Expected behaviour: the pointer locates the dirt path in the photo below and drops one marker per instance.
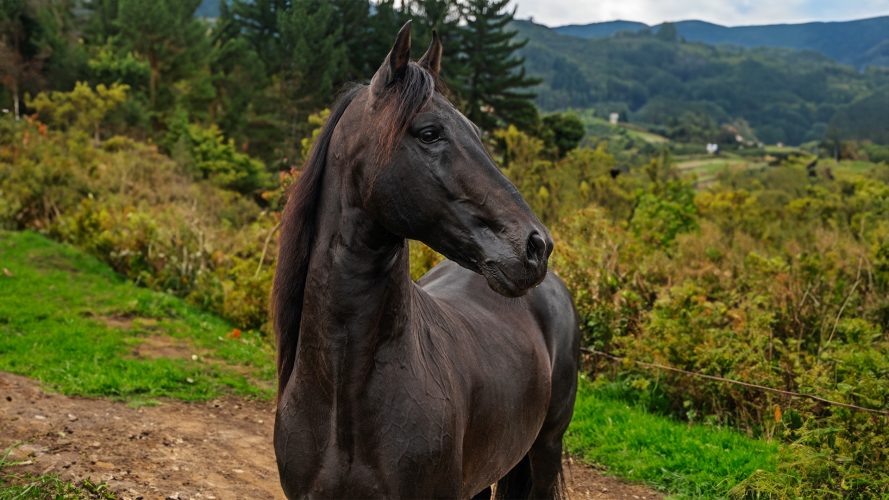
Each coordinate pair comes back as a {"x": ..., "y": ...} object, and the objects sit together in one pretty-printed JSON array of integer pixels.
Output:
[{"x": 221, "y": 449}]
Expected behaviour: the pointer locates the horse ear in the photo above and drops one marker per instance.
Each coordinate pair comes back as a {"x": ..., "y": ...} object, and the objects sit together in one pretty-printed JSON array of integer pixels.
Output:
[
  {"x": 396, "y": 62},
  {"x": 431, "y": 60}
]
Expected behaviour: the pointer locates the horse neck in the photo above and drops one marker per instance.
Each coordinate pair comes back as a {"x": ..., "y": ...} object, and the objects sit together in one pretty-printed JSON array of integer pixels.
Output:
[{"x": 358, "y": 287}]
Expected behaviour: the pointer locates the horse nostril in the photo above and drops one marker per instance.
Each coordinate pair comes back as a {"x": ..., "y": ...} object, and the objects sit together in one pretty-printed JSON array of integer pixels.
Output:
[{"x": 537, "y": 248}]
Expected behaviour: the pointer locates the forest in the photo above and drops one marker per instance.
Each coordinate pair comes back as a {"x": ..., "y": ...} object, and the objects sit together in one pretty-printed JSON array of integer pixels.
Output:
[
  {"x": 688, "y": 90},
  {"x": 164, "y": 143}
]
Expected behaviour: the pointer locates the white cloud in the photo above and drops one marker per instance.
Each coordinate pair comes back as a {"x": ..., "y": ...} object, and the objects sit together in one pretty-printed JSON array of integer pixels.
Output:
[{"x": 727, "y": 12}]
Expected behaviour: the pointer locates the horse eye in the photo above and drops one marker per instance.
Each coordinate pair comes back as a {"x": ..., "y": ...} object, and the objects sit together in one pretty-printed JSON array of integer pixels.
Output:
[{"x": 429, "y": 135}]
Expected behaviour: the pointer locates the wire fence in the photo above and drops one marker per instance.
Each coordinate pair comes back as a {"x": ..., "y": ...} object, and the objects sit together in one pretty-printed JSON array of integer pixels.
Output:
[{"x": 735, "y": 382}]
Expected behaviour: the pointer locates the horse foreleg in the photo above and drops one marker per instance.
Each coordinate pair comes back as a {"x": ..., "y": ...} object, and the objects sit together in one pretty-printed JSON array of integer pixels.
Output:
[{"x": 546, "y": 469}]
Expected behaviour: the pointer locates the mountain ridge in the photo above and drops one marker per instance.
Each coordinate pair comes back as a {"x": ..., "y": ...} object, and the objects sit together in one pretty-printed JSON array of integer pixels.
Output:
[
  {"x": 689, "y": 90},
  {"x": 859, "y": 42}
]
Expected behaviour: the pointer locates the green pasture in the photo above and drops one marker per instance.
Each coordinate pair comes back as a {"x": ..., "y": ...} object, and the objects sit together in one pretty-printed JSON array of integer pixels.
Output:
[{"x": 69, "y": 321}]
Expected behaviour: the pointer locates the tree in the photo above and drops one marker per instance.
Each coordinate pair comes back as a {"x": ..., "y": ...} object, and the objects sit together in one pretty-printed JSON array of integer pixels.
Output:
[
  {"x": 495, "y": 89},
  {"x": 668, "y": 33},
  {"x": 101, "y": 21},
  {"x": 315, "y": 56},
  {"x": 83, "y": 108},
  {"x": 562, "y": 131},
  {"x": 443, "y": 16},
  {"x": 37, "y": 47},
  {"x": 167, "y": 35},
  {"x": 352, "y": 21},
  {"x": 384, "y": 24},
  {"x": 257, "y": 22}
]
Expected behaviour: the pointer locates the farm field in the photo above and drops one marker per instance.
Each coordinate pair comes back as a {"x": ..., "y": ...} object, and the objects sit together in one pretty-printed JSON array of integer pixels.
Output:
[{"x": 705, "y": 170}]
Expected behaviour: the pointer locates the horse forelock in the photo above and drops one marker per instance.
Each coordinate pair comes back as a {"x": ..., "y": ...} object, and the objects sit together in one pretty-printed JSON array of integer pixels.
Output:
[{"x": 401, "y": 101}]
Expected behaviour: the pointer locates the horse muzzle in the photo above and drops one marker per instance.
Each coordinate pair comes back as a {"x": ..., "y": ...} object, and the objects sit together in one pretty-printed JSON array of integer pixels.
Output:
[{"x": 513, "y": 275}]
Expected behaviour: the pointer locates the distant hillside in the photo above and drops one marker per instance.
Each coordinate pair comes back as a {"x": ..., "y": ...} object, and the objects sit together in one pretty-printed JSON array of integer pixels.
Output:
[
  {"x": 860, "y": 43},
  {"x": 600, "y": 30},
  {"x": 690, "y": 90}
]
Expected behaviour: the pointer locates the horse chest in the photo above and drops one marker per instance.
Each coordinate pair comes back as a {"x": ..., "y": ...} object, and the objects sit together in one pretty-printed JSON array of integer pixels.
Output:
[{"x": 384, "y": 439}]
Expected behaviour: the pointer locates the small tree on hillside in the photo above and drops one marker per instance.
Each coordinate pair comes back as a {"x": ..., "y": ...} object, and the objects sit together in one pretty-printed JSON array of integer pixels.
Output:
[
  {"x": 495, "y": 88},
  {"x": 83, "y": 108}
]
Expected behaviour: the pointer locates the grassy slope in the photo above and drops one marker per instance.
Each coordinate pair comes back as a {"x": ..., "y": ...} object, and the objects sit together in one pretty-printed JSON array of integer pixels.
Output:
[
  {"x": 55, "y": 305},
  {"x": 689, "y": 461},
  {"x": 71, "y": 322}
]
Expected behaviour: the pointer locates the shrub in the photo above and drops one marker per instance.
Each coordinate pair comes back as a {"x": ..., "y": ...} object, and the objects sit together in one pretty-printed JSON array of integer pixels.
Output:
[{"x": 206, "y": 154}]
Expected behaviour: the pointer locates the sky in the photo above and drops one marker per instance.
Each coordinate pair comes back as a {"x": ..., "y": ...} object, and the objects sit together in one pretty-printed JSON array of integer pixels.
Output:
[{"x": 725, "y": 12}]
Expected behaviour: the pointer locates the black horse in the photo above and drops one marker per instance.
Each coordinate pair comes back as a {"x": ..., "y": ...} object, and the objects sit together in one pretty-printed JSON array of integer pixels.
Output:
[{"x": 436, "y": 389}]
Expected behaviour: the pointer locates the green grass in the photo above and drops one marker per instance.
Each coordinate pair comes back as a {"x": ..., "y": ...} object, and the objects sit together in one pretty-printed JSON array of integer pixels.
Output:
[
  {"x": 22, "y": 486},
  {"x": 689, "y": 461},
  {"x": 69, "y": 321}
]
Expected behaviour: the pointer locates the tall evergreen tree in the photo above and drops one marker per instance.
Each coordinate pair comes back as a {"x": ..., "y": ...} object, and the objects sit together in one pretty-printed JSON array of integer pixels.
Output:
[
  {"x": 168, "y": 36},
  {"x": 101, "y": 21},
  {"x": 37, "y": 47},
  {"x": 315, "y": 56},
  {"x": 385, "y": 20},
  {"x": 257, "y": 22},
  {"x": 353, "y": 21},
  {"x": 444, "y": 16},
  {"x": 495, "y": 88}
]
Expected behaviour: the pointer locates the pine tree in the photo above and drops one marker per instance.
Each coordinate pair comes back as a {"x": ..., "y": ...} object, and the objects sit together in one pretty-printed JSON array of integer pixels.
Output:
[
  {"x": 315, "y": 55},
  {"x": 257, "y": 22},
  {"x": 495, "y": 88},
  {"x": 167, "y": 35},
  {"x": 38, "y": 47},
  {"x": 443, "y": 16},
  {"x": 353, "y": 21},
  {"x": 384, "y": 23}
]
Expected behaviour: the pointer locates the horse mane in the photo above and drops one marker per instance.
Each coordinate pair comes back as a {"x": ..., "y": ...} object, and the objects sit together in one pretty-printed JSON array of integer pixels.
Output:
[
  {"x": 401, "y": 100},
  {"x": 296, "y": 241}
]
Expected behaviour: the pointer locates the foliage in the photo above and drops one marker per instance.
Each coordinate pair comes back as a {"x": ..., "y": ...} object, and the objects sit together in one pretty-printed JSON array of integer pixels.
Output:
[
  {"x": 696, "y": 461},
  {"x": 863, "y": 39},
  {"x": 562, "y": 131},
  {"x": 83, "y": 108},
  {"x": 207, "y": 155},
  {"x": 315, "y": 57},
  {"x": 770, "y": 267},
  {"x": 166, "y": 34},
  {"x": 556, "y": 188},
  {"x": 495, "y": 90},
  {"x": 37, "y": 46},
  {"x": 770, "y": 277},
  {"x": 864, "y": 119},
  {"x": 140, "y": 212},
  {"x": 689, "y": 90}
]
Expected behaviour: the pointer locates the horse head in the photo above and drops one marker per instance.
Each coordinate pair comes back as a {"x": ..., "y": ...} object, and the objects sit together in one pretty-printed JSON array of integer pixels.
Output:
[{"x": 432, "y": 179}]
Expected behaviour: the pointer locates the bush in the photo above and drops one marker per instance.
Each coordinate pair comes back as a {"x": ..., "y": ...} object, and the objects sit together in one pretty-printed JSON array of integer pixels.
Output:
[
  {"x": 784, "y": 287},
  {"x": 134, "y": 208},
  {"x": 206, "y": 154}
]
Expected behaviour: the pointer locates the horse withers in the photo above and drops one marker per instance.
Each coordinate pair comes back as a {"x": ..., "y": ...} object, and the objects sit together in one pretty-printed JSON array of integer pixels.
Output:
[{"x": 435, "y": 389}]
